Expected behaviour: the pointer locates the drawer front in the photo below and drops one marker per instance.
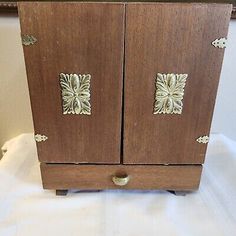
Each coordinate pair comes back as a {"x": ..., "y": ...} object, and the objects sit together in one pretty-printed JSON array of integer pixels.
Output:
[
  {"x": 79, "y": 114},
  {"x": 172, "y": 68},
  {"x": 69, "y": 176}
]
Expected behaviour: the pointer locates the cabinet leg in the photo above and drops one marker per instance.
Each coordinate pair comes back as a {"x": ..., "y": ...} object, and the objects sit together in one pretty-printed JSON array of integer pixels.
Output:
[
  {"x": 178, "y": 193},
  {"x": 61, "y": 192}
]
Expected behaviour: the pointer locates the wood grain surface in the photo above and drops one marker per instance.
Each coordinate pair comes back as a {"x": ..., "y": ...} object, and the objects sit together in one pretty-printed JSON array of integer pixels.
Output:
[
  {"x": 82, "y": 38},
  {"x": 171, "y": 38},
  {"x": 11, "y": 7},
  {"x": 69, "y": 176}
]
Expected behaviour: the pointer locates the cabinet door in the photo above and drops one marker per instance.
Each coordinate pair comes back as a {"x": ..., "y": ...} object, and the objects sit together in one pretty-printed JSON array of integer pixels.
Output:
[
  {"x": 74, "y": 72},
  {"x": 172, "y": 67}
]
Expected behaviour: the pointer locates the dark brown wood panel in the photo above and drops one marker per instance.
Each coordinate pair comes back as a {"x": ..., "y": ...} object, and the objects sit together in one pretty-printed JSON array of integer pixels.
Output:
[
  {"x": 66, "y": 176},
  {"x": 171, "y": 38},
  {"x": 11, "y": 7},
  {"x": 82, "y": 38}
]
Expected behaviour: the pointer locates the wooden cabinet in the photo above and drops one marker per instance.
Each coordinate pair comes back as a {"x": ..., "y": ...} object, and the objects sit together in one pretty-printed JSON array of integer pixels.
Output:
[{"x": 115, "y": 87}]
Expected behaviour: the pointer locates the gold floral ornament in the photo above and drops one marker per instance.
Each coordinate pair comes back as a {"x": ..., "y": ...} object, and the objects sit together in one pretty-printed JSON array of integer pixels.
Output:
[
  {"x": 75, "y": 91},
  {"x": 169, "y": 93}
]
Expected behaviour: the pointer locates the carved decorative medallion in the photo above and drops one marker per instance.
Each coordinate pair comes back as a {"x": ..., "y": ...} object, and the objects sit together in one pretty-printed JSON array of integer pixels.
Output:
[
  {"x": 28, "y": 39},
  {"x": 219, "y": 43},
  {"x": 203, "y": 139},
  {"x": 40, "y": 138},
  {"x": 75, "y": 92},
  {"x": 169, "y": 93}
]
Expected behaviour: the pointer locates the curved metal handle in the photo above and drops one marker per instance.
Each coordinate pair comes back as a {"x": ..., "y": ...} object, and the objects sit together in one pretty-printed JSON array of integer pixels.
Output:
[{"x": 120, "y": 181}]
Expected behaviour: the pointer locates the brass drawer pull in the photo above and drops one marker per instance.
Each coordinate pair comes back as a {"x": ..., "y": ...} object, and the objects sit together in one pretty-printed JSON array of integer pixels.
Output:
[{"x": 120, "y": 181}]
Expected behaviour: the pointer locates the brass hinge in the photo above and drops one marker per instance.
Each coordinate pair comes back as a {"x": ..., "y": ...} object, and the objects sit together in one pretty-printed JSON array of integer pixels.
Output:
[
  {"x": 219, "y": 43},
  {"x": 28, "y": 39},
  {"x": 203, "y": 139},
  {"x": 40, "y": 137}
]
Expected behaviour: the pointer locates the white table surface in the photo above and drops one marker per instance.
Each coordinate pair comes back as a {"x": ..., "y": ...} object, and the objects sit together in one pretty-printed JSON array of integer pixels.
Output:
[{"x": 27, "y": 209}]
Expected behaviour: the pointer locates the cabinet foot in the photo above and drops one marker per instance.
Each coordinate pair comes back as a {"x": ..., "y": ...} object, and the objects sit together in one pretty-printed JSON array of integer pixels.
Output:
[
  {"x": 60, "y": 192},
  {"x": 179, "y": 193}
]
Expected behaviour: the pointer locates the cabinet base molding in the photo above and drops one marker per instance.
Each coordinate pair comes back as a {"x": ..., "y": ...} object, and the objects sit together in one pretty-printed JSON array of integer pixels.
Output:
[{"x": 144, "y": 177}]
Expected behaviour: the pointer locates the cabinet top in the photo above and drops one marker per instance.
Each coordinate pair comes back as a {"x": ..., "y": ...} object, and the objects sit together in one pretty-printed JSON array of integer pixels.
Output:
[{"x": 160, "y": 1}]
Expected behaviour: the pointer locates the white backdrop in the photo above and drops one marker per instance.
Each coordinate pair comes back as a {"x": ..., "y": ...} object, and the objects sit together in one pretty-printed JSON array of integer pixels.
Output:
[
  {"x": 224, "y": 119},
  {"x": 15, "y": 112}
]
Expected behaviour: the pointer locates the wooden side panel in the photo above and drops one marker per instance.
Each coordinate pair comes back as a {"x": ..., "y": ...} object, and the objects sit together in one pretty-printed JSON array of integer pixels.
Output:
[
  {"x": 69, "y": 176},
  {"x": 171, "y": 38},
  {"x": 82, "y": 38}
]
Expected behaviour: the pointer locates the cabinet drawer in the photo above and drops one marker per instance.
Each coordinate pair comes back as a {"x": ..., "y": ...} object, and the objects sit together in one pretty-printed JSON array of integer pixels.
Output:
[{"x": 69, "y": 176}]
